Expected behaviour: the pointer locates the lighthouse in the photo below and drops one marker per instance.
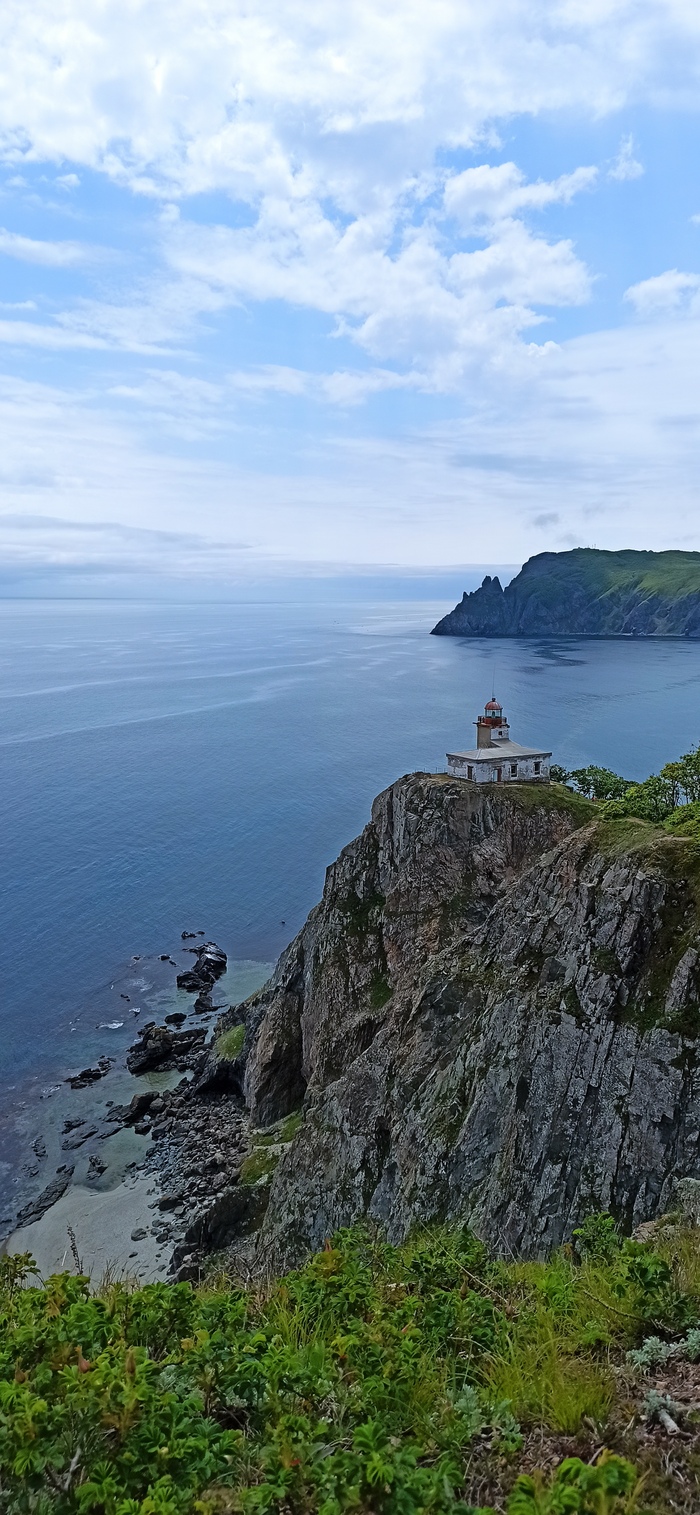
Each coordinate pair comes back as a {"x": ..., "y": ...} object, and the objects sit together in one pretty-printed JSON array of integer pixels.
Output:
[{"x": 496, "y": 759}]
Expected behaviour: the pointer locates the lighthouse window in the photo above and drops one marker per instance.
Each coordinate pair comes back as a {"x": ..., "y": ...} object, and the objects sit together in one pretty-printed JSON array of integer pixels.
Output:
[
  {"x": 537, "y": 767},
  {"x": 470, "y": 772},
  {"x": 514, "y": 770}
]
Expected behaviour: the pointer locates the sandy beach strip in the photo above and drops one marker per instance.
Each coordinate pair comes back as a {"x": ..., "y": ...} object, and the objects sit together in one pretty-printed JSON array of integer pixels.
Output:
[{"x": 102, "y": 1222}]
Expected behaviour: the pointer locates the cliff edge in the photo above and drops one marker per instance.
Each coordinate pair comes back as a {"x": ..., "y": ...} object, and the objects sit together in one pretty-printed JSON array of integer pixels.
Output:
[
  {"x": 586, "y": 592},
  {"x": 492, "y": 1014}
]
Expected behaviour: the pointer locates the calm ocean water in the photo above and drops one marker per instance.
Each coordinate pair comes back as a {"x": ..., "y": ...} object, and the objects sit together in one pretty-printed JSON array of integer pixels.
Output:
[{"x": 166, "y": 768}]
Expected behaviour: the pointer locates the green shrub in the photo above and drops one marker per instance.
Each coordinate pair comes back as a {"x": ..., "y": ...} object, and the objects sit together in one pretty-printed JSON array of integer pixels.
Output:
[
  {"x": 598, "y": 1236},
  {"x": 365, "y": 1380},
  {"x": 685, "y": 821},
  {"x": 577, "y": 1489},
  {"x": 597, "y": 783},
  {"x": 380, "y": 992}
]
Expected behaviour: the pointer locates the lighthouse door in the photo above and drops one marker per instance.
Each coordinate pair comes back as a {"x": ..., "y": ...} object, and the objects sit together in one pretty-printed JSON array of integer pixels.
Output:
[{"x": 499, "y": 775}]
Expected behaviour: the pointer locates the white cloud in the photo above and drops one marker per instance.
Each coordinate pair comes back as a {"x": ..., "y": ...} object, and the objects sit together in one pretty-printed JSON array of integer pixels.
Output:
[
  {"x": 602, "y": 432},
  {"x": 344, "y": 387},
  {"x": 35, "y": 334},
  {"x": 325, "y": 120},
  {"x": 487, "y": 195},
  {"x": 198, "y": 94},
  {"x": 76, "y": 550},
  {"x": 626, "y": 166},
  {"x": 328, "y": 124},
  {"x": 432, "y": 312},
  {"x": 194, "y": 406},
  {"x": 50, "y": 254},
  {"x": 155, "y": 314},
  {"x": 670, "y": 291}
]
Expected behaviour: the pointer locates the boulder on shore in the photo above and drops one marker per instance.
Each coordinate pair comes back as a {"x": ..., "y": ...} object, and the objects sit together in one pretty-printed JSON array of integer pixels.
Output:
[
  {"x": 159, "y": 1047},
  {"x": 211, "y": 963}
]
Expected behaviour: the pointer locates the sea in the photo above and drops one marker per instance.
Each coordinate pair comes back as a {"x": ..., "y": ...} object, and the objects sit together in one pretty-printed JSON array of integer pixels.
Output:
[{"x": 168, "y": 769}]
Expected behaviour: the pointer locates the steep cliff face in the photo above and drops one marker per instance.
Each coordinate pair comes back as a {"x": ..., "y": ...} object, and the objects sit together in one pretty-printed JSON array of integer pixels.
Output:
[
  {"x": 435, "y": 856},
  {"x": 586, "y": 592},
  {"x": 493, "y": 1014}
]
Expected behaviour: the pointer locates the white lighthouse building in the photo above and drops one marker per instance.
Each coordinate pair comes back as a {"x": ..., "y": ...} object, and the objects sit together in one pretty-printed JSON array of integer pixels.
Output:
[{"x": 495, "y": 759}]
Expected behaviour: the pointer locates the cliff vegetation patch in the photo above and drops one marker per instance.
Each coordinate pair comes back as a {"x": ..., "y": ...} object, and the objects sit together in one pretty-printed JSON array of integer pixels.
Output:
[
  {"x": 230, "y": 1043},
  {"x": 397, "y": 1380}
]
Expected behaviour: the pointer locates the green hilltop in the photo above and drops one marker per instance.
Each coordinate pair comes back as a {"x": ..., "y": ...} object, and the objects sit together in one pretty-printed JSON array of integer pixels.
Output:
[{"x": 586, "y": 592}]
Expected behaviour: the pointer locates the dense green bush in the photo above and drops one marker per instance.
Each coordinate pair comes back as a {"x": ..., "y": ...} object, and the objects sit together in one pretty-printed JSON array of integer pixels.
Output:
[
  {"x": 361, "y": 1382},
  {"x": 671, "y": 797},
  {"x": 597, "y": 783}
]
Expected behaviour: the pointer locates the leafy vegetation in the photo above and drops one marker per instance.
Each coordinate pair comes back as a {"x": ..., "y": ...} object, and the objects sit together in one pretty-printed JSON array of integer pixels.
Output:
[
  {"x": 361, "y": 915},
  {"x": 376, "y": 1379},
  {"x": 670, "y": 798},
  {"x": 597, "y": 783}
]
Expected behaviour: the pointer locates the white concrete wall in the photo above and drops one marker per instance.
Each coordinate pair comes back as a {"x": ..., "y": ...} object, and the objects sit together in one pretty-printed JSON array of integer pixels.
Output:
[{"x": 487, "y": 773}]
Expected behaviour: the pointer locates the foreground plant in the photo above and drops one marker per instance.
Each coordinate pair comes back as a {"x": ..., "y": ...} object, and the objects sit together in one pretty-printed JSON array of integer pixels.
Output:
[{"x": 373, "y": 1380}]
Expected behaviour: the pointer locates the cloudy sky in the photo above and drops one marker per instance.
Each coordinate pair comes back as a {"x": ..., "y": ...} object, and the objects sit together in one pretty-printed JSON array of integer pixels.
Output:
[{"x": 340, "y": 283}]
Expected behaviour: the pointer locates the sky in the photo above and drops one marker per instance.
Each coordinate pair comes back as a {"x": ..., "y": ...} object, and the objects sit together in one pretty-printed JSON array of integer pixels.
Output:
[{"x": 344, "y": 288}]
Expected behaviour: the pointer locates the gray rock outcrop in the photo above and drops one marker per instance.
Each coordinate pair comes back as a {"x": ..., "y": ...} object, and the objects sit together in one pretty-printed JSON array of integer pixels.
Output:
[
  {"x": 210, "y": 964},
  {"x": 160, "y": 1047},
  {"x": 493, "y": 1014}
]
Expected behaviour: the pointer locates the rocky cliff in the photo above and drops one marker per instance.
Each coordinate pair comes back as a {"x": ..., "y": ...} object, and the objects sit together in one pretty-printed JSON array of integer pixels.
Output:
[
  {"x": 586, "y": 592},
  {"x": 493, "y": 1013}
]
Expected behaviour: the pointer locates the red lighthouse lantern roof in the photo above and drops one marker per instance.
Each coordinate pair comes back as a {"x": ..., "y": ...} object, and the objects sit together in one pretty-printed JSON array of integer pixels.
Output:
[{"x": 492, "y": 706}]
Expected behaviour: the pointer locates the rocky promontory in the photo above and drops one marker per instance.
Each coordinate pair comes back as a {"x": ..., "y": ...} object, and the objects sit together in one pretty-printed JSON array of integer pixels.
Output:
[
  {"x": 492, "y": 1014},
  {"x": 586, "y": 592}
]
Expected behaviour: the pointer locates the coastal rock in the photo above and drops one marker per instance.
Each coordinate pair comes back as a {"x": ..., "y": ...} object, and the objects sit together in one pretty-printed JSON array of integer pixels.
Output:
[
  {"x": 43, "y": 1202},
  {"x": 492, "y": 1015},
  {"x": 159, "y": 1047},
  {"x": 138, "y": 1106},
  {"x": 90, "y": 1075},
  {"x": 76, "y": 1138},
  {"x": 211, "y": 963}
]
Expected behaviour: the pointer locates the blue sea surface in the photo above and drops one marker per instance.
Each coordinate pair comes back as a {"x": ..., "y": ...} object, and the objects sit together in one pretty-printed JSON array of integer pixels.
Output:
[{"x": 167, "y": 768}]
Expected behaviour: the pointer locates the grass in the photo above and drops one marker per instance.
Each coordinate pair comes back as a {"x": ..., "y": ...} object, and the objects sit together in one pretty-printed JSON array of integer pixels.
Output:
[
  {"x": 533, "y": 796},
  {"x": 380, "y": 992},
  {"x": 290, "y": 1125},
  {"x": 409, "y": 1380},
  {"x": 229, "y": 1043},
  {"x": 265, "y": 1155},
  {"x": 259, "y": 1164},
  {"x": 669, "y": 574}
]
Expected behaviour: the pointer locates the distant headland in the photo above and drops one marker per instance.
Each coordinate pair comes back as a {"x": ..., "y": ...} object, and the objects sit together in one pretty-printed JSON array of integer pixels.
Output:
[{"x": 586, "y": 592}]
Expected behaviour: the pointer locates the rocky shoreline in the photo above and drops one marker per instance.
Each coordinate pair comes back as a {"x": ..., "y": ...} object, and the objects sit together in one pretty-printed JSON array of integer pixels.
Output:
[{"x": 134, "y": 1171}]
